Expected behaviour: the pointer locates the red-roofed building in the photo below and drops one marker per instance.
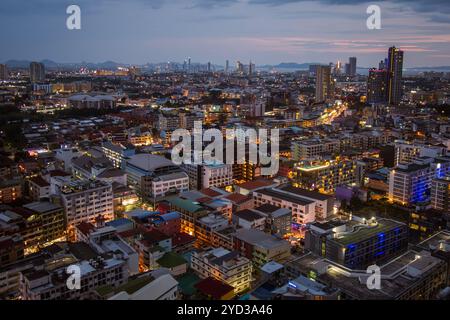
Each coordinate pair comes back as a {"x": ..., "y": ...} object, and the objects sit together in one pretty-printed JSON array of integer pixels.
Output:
[
  {"x": 83, "y": 230},
  {"x": 240, "y": 201},
  {"x": 213, "y": 289},
  {"x": 203, "y": 200},
  {"x": 210, "y": 192},
  {"x": 182, "y": 242}
]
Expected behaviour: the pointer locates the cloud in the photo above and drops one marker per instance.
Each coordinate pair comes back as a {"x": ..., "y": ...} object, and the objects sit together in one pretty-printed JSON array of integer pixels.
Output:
[
  {"x": 416, "y": 5},
  {"x": 439, "y": 18},
  {"x": 212, "y": 4},
  {"x": 50, "y": 7}
]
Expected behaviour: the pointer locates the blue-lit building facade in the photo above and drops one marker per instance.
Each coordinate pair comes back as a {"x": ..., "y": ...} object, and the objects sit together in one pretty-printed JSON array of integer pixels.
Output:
[
  {"x": 411, "y": 183},
  {"x": 358, "y": 243}
]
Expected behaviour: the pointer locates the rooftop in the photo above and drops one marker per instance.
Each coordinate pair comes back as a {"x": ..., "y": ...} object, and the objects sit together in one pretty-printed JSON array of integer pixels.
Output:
[
  {"x": 171, "y": 260},
  {"x": 238, "y": 198},
  {"x": 214, "y": 288},
  {"x": 42, "y": 207},
  {"x": 184, "y": 204},
  {"x": 256, "y": 184},
  {"x": 149, "y": 162},
  {"x": 38, "y": 180},
  {"x": 361, "y": 233},
  {"x": 259, "y": 238},
  {"x": 248, "y": 215},
  {"x": 306, "y": 193},
  {"x": 272, "y": 192}
]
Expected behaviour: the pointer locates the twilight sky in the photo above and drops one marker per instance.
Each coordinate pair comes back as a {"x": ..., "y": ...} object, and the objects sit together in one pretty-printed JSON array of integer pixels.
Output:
[{"x": 265, "y": 31}]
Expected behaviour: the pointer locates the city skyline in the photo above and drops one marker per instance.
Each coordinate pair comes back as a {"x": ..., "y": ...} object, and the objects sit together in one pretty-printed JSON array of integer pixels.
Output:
[{"x": 264, "y": 31}]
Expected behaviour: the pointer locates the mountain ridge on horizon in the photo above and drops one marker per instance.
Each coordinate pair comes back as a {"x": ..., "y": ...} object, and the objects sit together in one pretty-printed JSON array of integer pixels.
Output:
[{"x": 109, "y": 64}]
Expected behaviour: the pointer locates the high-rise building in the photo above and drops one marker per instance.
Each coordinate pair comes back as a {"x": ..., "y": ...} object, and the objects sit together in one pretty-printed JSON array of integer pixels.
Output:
[
  {"x": 209, "y": 66},
  {"x": 251, "y": 68},
  {"x": 440, "y": 194},
  {"x": 410, "y": 183},
  {"x": 3, "y": 72},
  {"x": 352, "y": 62},
  {"x": 324, "y": 84},
  {"x": 239, "y": 66},
  {"x": 377, "y": 86},
  {"x": 189, "y": 64},
  {"x": 395, "y": 74},
  {"x": 347, "y": 69},
  {"x": 227, "y": 66},
  {"x": 37, "y": 72}
]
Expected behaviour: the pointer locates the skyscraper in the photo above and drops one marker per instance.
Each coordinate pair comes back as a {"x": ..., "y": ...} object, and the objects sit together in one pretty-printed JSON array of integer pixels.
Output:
[
  {"x": 189, "y": 64},
  {"x": 227, "y": 66},
  {"x": 209, "y": 66},
  {"x": 239, "y": 67},
  {"x": 395, "y": 74},
  {"x": 251, "y": 68},
  {"x": 37, "y": 72},
  {"x": 347, "y": 69},
  {"x": 352, "y": 62},
  {"x": 337, "y": 68},
  {"x": 3, "y": 72},
  {"x": 324, "y": 83},
  {"x": 377, "y": 86}
]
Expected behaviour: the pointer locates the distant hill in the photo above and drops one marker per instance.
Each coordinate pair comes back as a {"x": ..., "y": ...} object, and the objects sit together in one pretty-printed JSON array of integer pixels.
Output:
[
  {"x": 442, "y": 68},
  {"x": 289, "y": 65},
  {"x": 49, "y": 64},
  {"x": 111, "y": 65}
]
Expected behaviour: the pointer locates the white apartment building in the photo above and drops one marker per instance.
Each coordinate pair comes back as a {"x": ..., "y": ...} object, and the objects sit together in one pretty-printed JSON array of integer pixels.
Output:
[
  {"x": 87, "y": 201},
  {"x": 209, "y": 175},
  {"x": 303, "y": 210},
  {"x": 314, "y": 148},
  {"x": 148, "y": 174},
  {"x": 407, "y": 152},
  {"x": 170, "y": 183},
  {"x": 224, "y": 265}
]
